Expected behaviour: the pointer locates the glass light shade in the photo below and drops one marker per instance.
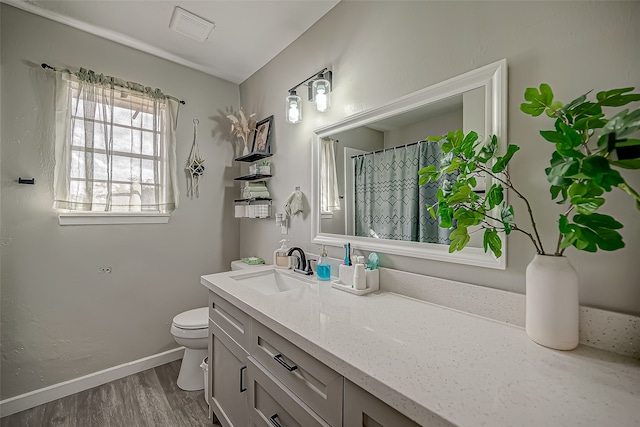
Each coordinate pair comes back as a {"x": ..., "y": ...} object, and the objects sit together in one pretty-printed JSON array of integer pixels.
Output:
[
  {"x": 293, "y": 113},
  {"x": 321, "y": 96}
]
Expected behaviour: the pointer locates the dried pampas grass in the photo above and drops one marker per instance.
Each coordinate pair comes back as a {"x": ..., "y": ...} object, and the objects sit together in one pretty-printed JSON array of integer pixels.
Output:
[{"x": 243, "y": 126}]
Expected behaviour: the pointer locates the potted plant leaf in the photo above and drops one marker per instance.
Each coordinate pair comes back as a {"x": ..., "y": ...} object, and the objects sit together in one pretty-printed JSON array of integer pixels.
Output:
[{"x": 589, "y": 150}]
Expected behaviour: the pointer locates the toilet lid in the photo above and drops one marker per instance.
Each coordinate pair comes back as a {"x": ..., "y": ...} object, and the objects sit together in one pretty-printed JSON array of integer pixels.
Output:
[{"x": 192, "y": 319}]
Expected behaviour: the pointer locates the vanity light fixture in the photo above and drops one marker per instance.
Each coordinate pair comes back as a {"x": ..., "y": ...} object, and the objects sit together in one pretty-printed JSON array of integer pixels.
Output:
[
  {"x": 321, "y": 88},
  {"x": 293, "y": 113},
  {"x": 318, "y": 88}
]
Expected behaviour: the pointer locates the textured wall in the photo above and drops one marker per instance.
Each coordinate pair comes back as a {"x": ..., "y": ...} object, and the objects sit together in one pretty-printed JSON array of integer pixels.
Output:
[
  {"x": 380, "y": 51},
  {"x": 60, "y": 318}
]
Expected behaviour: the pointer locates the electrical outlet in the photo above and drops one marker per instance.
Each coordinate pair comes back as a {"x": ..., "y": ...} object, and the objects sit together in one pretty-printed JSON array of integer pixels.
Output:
[{"x": 103, "y": 270}]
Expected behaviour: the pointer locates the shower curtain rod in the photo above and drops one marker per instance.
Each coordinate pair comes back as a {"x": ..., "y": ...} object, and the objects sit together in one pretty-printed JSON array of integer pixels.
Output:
[
  {"x": 390, "y": 148},
  {"x": 330, "y": 139},
  {"x": 47, "y": 66}
]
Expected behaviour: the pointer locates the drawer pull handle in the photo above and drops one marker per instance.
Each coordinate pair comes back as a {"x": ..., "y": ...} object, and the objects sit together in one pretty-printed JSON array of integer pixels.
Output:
[
  {"x": 280, "y": 360},
  {"x": 274, "y": 420},
  {"x": 242, "y": 389}
]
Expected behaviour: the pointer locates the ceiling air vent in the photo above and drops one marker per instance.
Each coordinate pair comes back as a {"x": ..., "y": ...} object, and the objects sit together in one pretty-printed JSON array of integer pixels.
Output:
[{"x": 190, "y": 25}]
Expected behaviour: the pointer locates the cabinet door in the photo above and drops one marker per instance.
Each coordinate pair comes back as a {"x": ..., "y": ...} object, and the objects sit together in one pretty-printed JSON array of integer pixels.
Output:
[
  {"x": 363, "y": 409},
  {"x": 228, "y": 379}
]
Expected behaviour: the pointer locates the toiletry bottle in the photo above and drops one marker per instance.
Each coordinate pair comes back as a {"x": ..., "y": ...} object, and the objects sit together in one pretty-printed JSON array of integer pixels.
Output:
[
  {"x": 280, "y": 257},
  {"x": 323, "y": 269},
  {"x": 359, "y": 274},
  {"x": 373, "y": 261}
]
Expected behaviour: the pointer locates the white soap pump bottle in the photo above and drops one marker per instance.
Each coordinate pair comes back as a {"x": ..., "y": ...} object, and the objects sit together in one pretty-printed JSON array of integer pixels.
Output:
[{"x": 280, "y": 257}]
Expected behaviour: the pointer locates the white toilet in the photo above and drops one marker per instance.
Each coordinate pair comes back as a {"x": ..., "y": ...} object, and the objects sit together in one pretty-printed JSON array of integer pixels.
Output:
[{"x": 191, "y": 330}]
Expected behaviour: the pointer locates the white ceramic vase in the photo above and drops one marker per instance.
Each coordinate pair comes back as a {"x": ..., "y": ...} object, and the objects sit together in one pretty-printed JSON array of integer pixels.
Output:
[{"x": 553, "y": 307}]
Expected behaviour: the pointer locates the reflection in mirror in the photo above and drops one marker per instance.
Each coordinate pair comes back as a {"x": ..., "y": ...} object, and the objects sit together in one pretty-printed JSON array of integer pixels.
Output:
[
  {"x": 368, "y": 193},
  {"x": 377, "y": 171}
]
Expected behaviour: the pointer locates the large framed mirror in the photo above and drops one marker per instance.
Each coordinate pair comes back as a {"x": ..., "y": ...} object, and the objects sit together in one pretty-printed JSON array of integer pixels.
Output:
[{"x": 373, "y": 199}]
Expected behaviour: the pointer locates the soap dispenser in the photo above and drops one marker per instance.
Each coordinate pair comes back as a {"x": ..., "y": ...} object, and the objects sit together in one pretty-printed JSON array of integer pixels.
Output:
[
  {"x": 280, "y": 257},
  {"x": 323, "y": 269}
]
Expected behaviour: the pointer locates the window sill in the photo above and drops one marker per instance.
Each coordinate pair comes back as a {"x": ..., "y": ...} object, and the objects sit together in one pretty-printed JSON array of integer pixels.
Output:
[{"x": 90, "y": 218}]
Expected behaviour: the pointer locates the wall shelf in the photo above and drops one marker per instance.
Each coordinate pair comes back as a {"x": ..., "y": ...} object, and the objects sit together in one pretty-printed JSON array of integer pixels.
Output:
[
  {"x": 252, "y": 157},
  {"x": 253, "y": 200},
  {"x": 252, "y": 177},
  {"x": 254, "y": 207}
]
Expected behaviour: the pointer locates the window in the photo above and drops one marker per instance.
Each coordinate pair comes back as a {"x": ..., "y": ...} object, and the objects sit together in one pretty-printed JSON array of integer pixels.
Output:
[
  {"x": 329, "y": 196},
  {"x": 115, "y": 149}
]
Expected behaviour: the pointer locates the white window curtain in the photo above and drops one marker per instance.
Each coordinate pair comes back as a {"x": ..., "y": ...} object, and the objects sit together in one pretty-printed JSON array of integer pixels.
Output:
[
  {"x": 330, "y": 198},
  {"x": 115, "y": 147}
]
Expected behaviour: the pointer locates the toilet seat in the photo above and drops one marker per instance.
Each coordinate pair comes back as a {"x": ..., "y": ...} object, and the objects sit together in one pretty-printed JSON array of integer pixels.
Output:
[
  {"x": 198, "y": 318},
  {"x": 191, "y": 334}
]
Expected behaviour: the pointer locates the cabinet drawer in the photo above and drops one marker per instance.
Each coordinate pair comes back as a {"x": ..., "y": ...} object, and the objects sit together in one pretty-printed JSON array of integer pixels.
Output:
[
  {"x": 235, "y": 322},
  {"x": 273, "y": 405},
  {"x": 313, "y": 382}
]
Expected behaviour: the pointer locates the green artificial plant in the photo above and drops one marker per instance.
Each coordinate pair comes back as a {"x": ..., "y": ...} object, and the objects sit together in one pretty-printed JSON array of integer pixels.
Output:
[{"x": 588, "y": 148}]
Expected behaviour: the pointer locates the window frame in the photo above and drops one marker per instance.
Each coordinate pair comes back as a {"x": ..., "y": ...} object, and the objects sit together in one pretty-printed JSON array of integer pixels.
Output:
[
  {"x": 79, "y": 217},
  {"x": 111, "y": 218}
]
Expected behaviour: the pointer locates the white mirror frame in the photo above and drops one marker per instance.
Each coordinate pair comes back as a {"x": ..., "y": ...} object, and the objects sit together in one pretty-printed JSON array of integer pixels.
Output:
[{"x": 493, "y": 78}]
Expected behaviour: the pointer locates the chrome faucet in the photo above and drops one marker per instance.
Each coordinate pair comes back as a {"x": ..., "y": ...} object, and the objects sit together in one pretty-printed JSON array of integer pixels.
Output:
[{"x": 302, "y": 266}]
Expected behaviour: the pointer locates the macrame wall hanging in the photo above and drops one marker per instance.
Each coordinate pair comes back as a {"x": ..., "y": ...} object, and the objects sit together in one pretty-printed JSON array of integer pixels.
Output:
[{"x": 195, "y": 166}]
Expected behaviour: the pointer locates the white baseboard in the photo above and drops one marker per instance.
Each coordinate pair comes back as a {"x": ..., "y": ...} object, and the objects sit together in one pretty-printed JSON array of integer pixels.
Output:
[{"x": 60, "y": 390}]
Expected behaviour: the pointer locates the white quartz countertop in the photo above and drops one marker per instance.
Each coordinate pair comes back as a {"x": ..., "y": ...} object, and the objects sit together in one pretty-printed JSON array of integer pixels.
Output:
[{"x": 424, "y": 359}]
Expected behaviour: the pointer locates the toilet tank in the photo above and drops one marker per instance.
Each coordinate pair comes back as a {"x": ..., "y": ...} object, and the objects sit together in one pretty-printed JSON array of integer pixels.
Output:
[{"x": 239, "y": 265}]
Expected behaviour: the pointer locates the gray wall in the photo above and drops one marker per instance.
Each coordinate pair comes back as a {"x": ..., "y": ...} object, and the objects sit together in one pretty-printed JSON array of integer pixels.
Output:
[
  {"x": 380, "y": 51},
  {"x": 438, "y": 125},
  {"x": 60, "y": 318}
]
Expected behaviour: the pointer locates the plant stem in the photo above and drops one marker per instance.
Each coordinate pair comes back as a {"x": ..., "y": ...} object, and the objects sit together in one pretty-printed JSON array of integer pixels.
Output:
[
  {"x": 558, "y": 251},
  {"x": 513, "y": 227},
  {"x": 507, "y": 182},
  {"x": 533, "y": 222}
]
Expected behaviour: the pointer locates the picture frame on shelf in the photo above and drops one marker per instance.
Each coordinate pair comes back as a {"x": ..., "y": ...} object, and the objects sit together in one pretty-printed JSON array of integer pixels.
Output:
[{"x": 262, "y": 136}]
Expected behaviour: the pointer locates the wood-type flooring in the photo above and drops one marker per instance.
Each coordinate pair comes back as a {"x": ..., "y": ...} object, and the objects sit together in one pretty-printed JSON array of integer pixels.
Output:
[{"x": 147, "y": 399}]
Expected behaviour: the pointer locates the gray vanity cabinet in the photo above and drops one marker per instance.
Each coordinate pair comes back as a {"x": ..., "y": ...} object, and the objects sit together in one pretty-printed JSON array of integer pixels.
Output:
[
  {"x": 363, "y": 409},
  {"x": 228, "y": 328},
  {"x": 258, "y": 378},
  {"x": 274, "y": 405}
]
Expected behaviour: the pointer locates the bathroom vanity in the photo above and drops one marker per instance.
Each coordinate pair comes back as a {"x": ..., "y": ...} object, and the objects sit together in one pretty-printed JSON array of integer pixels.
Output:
[{"x": 287, "y": 350}]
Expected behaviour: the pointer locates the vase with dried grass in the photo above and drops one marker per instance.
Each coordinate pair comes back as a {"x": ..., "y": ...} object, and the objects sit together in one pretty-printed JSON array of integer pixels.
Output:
[{"x": 241, "y": 127}]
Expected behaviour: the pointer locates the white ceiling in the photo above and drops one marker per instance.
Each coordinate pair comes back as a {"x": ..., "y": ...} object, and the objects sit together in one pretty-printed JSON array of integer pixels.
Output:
[{"x": 247, "y": 34}]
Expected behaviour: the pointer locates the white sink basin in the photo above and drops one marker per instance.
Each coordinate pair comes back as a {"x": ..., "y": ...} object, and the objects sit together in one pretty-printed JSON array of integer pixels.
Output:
[{"x": 269, "y": 282}]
